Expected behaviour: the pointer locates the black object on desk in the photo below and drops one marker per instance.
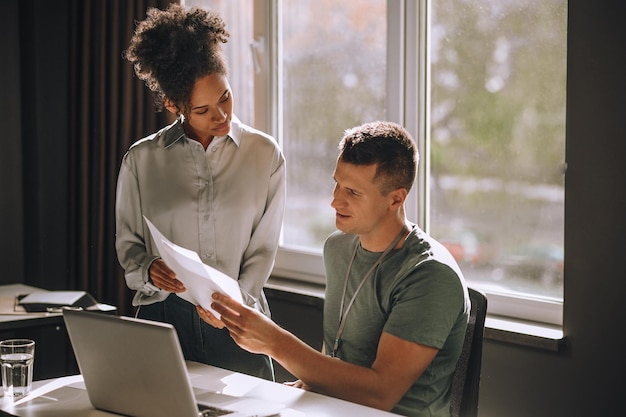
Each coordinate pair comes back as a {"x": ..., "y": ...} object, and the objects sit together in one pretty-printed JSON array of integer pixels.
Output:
[
  {"x": 54, "y": 356},
  {"x": 55, "y": 301}
]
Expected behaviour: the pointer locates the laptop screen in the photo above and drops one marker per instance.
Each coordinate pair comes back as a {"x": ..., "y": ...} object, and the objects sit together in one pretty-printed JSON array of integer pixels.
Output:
[{"x": 131, "y": 366}]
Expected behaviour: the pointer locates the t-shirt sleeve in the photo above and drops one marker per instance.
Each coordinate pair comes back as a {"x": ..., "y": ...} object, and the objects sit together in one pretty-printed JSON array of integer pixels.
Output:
[{"x": 425, "y": 305}]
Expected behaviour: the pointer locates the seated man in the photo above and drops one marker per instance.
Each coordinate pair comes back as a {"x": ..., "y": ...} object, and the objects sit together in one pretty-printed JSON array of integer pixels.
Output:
[{"x": 396, "y": 305}]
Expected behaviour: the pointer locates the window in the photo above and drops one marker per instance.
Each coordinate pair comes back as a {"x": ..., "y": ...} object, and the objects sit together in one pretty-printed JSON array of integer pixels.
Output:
[
  {"x": 497, "y": 143},
  {"x": 481, "y": 86}
]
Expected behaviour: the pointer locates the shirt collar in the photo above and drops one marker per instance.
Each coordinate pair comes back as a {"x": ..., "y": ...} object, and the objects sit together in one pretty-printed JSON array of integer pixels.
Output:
[
  {"x": 235, "y": 130},
  {"x": 174, "y": 133},
  {"x": 177, "y": 132}
]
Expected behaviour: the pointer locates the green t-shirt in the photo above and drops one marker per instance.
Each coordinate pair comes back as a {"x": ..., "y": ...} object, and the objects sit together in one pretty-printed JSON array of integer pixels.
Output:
[{"x": 418, "y": 294}]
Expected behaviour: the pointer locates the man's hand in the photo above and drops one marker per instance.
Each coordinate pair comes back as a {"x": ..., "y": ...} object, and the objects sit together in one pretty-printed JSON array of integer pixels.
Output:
[
  {"x": 164, "y": 278},
  {"x": 249, "y": 328}
]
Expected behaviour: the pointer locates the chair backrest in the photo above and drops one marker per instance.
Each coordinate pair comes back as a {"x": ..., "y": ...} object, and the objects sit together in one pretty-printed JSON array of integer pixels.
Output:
[{"x": 466, "y": 378}]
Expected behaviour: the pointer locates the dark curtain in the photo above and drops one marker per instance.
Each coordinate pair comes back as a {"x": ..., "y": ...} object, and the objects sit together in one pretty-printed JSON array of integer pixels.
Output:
[{"x": 109, "y": 109}]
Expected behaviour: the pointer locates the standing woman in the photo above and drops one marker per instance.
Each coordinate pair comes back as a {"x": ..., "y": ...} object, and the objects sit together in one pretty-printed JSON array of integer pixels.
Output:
[{"x": 208, "y": 182}]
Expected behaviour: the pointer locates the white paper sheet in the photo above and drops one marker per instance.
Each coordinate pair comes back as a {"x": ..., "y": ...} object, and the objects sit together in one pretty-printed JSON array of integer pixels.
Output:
[{"x": 200, "y": 280}]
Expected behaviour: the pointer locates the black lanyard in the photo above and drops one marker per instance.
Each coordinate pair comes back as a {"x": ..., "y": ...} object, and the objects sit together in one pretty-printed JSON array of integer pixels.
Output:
[{"x": 342, "y": 314}]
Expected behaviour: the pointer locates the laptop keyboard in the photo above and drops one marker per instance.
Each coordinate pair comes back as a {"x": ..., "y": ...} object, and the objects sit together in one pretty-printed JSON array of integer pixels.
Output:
[{"x": 210, "y": 411}]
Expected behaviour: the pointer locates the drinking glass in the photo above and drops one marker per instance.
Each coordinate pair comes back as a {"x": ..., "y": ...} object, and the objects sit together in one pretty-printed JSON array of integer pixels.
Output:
[{"x": 17, "y": 357}]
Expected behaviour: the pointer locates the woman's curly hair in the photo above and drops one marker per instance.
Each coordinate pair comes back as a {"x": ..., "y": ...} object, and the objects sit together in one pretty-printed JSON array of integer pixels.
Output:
[{"x": 171, "y": 49}]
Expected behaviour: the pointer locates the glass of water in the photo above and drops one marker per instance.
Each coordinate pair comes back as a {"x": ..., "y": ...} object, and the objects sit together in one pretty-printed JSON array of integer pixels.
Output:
[{"x": 16, "y": 358}]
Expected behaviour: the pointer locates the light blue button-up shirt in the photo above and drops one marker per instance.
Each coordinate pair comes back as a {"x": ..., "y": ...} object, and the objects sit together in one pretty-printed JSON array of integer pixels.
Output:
[{"x": 225, "y": 203}]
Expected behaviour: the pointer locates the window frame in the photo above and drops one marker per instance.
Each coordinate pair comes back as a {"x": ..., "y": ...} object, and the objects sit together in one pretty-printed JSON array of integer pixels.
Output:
[{"x": 408, "y": 101}]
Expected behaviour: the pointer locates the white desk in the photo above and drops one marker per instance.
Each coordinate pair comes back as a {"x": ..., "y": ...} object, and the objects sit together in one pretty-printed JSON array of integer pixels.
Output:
[{"x": 67, "y": 397}]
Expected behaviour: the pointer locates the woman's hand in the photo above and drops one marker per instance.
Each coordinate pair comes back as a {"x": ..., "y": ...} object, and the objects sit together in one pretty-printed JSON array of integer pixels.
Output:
[
  {"x": 164, "y": 278},
  {"x": 298, "y": 384},
  {"x": 209, "y": 317}
]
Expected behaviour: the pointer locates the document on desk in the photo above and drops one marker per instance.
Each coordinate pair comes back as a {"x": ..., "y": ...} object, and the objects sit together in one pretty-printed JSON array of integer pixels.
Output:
[{"x": 200, "y": 279}]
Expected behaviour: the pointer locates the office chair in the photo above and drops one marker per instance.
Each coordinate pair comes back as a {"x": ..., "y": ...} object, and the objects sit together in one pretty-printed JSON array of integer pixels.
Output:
[{"x": 466, "y": 377}]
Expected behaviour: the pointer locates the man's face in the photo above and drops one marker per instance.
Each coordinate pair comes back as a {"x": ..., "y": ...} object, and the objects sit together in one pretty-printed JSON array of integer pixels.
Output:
[{"x": 357, "y": 200}]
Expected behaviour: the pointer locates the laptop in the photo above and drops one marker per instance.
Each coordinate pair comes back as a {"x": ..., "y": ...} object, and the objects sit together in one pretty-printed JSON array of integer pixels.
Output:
[{"x": 136, "y": 368}]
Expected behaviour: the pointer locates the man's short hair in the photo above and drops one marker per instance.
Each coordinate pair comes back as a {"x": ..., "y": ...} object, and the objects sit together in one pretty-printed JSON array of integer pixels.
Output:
[{"x": 389, "y": 146}]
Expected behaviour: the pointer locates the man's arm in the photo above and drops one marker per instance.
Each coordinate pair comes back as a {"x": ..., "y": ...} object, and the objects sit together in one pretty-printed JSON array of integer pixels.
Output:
[{"x": 397, "y": 365}]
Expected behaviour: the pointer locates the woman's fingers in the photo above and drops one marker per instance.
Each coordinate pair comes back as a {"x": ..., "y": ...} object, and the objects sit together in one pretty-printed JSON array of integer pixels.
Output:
[
  {"x": 164, "y": 278},
  {"x": 209, "y": 317}
]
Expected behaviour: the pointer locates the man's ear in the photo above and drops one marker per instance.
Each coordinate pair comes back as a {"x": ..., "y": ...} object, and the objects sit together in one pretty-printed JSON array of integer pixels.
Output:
[
  {"x": 398, "y": 197},
  {"x": 170, "y": 106}
]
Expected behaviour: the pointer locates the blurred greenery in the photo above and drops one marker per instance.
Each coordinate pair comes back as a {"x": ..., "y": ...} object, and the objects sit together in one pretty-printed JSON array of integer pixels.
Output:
[
  {"x": 497, "y": 138},
  {"x": 498, "y": 78}
]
